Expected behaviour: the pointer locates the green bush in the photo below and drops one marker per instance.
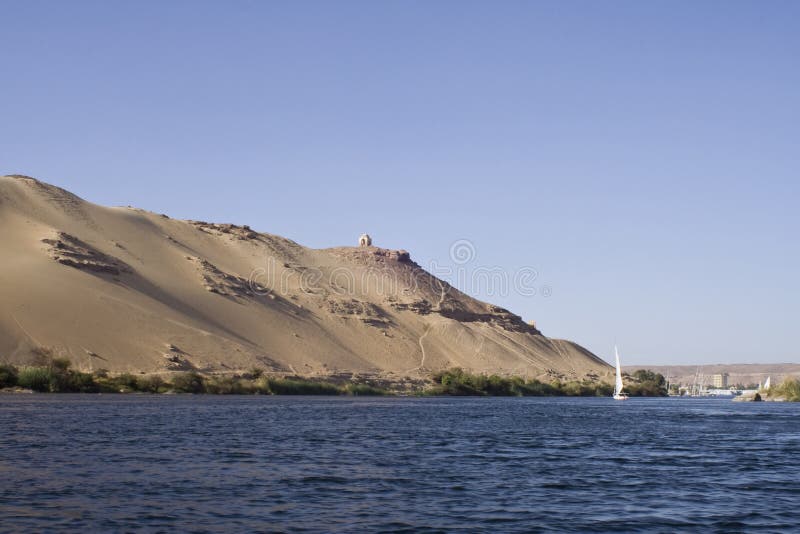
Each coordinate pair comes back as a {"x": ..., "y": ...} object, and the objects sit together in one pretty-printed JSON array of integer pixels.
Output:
[
  {"x": 644, "y": 375},
  {"x": 121, "y": 383},
  {"x": 80, "y": 383},
  {"x": 56, "y": 379},
  {"x": 363, "y": 390},
  {"x": 190, "y": 382},
  {"x": 502, "y": 387},
  {"x": 60, "y": 365},
  {"x": 534, "y": 388},
  {"x": 261, "y": 386},
  {"x": 101, "y": 373},
  {"x": 255, "y": 373},
  {"x": 35, "y": 378},
  {"x": 789, "y": 390},
  {"x": 288, "y": 386},
  {"x": 604, "y": 390},
  {"x": 60, "y": 381},
  {"x": 8, "y": 376},
  {"x": 644, "y": 383},
  {"x": 458, "y": 382},
  {"x": 227, "y": 385},
  {"x": 150, "y": 384}
]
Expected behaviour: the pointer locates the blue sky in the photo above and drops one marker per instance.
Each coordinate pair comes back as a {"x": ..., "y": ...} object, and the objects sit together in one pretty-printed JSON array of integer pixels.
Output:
[{"x": 641, "y": 156}]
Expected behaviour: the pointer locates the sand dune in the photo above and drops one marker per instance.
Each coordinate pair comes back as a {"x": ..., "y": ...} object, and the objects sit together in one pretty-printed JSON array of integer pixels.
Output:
[{"x": 128, "y": 290}]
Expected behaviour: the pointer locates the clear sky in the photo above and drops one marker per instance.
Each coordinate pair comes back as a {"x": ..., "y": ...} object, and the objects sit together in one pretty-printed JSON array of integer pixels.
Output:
[{"x": 643, "y": 157}]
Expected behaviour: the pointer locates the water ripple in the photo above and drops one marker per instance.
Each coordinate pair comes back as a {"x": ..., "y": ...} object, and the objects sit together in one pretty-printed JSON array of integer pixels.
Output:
[{"x": 266, "y": 464}]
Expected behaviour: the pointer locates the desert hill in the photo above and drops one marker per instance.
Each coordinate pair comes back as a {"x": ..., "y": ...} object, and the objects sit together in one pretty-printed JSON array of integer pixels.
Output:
[{"x": 127, "y": 290}]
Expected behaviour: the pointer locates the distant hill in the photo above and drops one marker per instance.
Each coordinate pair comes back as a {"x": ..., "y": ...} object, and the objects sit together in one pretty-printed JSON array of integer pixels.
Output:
[
  {"x": 750, "y": 373},
  {"x": 128, "y": 290}
]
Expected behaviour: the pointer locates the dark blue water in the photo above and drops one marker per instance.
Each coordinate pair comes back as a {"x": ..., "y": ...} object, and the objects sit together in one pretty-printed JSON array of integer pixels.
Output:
[{"x": 184, "y": 463}]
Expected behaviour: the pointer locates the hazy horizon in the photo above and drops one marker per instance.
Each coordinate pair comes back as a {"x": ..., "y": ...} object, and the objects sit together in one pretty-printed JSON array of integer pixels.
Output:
[{"x": 639, "y": 158}]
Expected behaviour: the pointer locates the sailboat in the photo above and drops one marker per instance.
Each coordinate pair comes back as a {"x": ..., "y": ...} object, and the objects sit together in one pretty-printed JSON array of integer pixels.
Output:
[
  {"x": 618, "y": 394},
  {"x": 767, "y": 384}
]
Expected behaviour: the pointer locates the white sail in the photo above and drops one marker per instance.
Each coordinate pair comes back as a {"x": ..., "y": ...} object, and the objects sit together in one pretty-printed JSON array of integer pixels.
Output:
[
  {"x": 618, "y": 387},
  {"x": 766, "y": 384}
]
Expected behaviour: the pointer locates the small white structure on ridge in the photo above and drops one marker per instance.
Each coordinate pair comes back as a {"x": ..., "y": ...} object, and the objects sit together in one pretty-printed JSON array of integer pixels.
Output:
[{"x": 365, "y": 240}]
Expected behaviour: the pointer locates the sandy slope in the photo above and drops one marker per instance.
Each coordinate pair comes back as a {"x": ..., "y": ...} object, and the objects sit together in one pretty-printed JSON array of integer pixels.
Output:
[{"x": 128, "y": 290}]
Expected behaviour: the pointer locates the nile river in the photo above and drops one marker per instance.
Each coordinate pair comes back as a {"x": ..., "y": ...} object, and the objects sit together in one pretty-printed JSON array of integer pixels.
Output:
[{"x": 211, "y": 464}]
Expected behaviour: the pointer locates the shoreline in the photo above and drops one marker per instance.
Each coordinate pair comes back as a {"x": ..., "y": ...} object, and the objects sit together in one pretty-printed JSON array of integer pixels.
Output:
[{"x": 56, "y": 376}]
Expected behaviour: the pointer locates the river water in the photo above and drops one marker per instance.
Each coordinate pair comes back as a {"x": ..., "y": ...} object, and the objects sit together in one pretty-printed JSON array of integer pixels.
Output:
[{"x": 320, "y": 464}]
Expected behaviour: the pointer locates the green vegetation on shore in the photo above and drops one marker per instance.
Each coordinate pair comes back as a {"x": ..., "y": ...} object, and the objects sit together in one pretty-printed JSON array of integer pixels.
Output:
[
  {"x": 57, "y": 376},
  {"x": 788, "y": 391},
  {"x": 644, "y": 383},
  {"x": 459, "y": 382}
]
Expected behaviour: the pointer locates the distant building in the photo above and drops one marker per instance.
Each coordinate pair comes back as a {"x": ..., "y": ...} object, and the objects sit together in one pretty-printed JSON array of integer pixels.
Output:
[
  {"x": 720, "y": 380},
  {"x": 365, "y": 240}
]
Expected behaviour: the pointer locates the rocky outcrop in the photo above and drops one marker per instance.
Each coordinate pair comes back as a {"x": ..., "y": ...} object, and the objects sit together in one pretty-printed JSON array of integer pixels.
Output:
[
  {"x": 401, "y": 256},
  {"x": 242, "y": 233},
  {"x": 71, "y": 251},
  {"x": 418, "y": 306},
  {"x": 176, "y": 360},
  {"x": 217, "y": 281},
  {"x": 454, "y": 309},
  {"x": 372, "y": 255},
  {"x": 365, "y": 312}
]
